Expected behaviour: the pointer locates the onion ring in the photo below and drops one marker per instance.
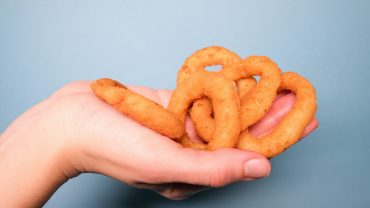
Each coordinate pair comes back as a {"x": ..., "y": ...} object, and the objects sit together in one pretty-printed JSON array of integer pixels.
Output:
[
  {"x": 139, "y": 108},
  {"x": 253, "y": 105},
  {"x": 221, "y": 104},
  {"x": 209, "y": 56},
  {"x": 201, "y": 112},
  {"x": 223, "y": 95},
  {"x": 245, "y": 85},
  {"x": 258, "y": 100},
  {"x": 290, "y": 129}
]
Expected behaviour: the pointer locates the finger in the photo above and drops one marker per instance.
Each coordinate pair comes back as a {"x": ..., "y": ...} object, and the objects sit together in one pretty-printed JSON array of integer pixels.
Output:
[
  {"x": 310, "y": 128},
  {"x": 213, "y": 169},
  {"x": 168, "y": 162},
  {"x": 210, "y": 168},
  {"x": 281, "y": 106},
  {"x": 190, "y": 129},
  {"x": 164, "y": 97}
]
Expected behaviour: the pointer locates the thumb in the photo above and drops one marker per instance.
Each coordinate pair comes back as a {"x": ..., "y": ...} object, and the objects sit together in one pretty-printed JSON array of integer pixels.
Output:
[{"x": 216, "y": 168}]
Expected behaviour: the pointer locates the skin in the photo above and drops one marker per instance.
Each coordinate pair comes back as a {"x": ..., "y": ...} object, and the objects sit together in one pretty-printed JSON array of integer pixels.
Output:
[{"x": 73, "y": 132}]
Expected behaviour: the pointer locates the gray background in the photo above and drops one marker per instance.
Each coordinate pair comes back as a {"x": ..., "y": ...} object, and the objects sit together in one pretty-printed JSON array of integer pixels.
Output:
[{"x": 45, "y": 44}]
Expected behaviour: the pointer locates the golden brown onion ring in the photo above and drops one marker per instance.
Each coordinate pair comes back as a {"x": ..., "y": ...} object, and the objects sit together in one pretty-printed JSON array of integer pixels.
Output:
[
  {"x": 290, "y": 129},
  {"x": 139, "y": 108},
  {"x": 223, "y": 95}
]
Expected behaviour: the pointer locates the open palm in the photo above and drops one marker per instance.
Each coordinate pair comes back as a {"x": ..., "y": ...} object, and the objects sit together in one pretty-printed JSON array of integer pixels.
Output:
[{"x": 102, "y": 140}]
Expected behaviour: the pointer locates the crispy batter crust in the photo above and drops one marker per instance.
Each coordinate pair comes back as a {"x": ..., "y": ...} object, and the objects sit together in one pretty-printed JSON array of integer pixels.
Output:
[
  {"x": 223, "y": 104},
  {"x": 201, "y": 113},
  {"x": 209, "y": 56},
  {"x": 254, "y": 104},
  {"x": 290, "y": 129},
  {"x": 258, "y": 100},
  {"x": 245, "y": 85},
  {"x": 223, "y": 95},
  {"x": 139, "y": 108}
]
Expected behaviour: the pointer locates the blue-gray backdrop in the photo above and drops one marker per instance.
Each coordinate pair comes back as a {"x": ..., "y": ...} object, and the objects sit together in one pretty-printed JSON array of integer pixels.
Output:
[{"x": 45, "y": 44}]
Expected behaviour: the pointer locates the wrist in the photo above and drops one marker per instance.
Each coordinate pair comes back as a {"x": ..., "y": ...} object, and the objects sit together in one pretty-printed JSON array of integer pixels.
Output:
[{"x": 33, "y": 163}]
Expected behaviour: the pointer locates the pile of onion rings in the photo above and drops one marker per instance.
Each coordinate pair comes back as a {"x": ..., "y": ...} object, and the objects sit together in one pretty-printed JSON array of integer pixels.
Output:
[{"x": 222, "y": 104}]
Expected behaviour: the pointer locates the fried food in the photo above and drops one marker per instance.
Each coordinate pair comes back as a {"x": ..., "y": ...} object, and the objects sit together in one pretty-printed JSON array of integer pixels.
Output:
[
  {"x": 245, "y": 85},
  {"x": 201, "y": 113},
  {"x": 258, "y": 100},
  {"x": 209, "y": 56},
  {"x": 253, "y": 104},
  {"x": 139, "y": 108},
  {"x": 221, "y": 104},
  {"x": 224, "y": 98},
  {"x": 290, "y": 129}
]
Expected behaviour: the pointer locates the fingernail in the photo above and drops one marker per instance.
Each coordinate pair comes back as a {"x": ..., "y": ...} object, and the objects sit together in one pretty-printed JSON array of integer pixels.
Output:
[{"x": 256, "y": 168}]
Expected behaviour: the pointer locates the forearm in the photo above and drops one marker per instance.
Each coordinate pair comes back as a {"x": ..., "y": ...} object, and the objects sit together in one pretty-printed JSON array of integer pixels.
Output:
[{"x": 31, "y": 168}]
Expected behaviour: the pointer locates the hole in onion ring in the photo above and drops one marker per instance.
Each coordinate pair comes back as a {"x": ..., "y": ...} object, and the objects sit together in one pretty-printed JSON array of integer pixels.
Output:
[
  {"x": 214, "y": 68},
  {"x": 283, "y": 104},
  {"x": 192, "y": 133}
]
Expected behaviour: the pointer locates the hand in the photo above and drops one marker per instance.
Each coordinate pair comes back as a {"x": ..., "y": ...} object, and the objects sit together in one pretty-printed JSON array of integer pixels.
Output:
[{"x": 73, "y": 132}]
